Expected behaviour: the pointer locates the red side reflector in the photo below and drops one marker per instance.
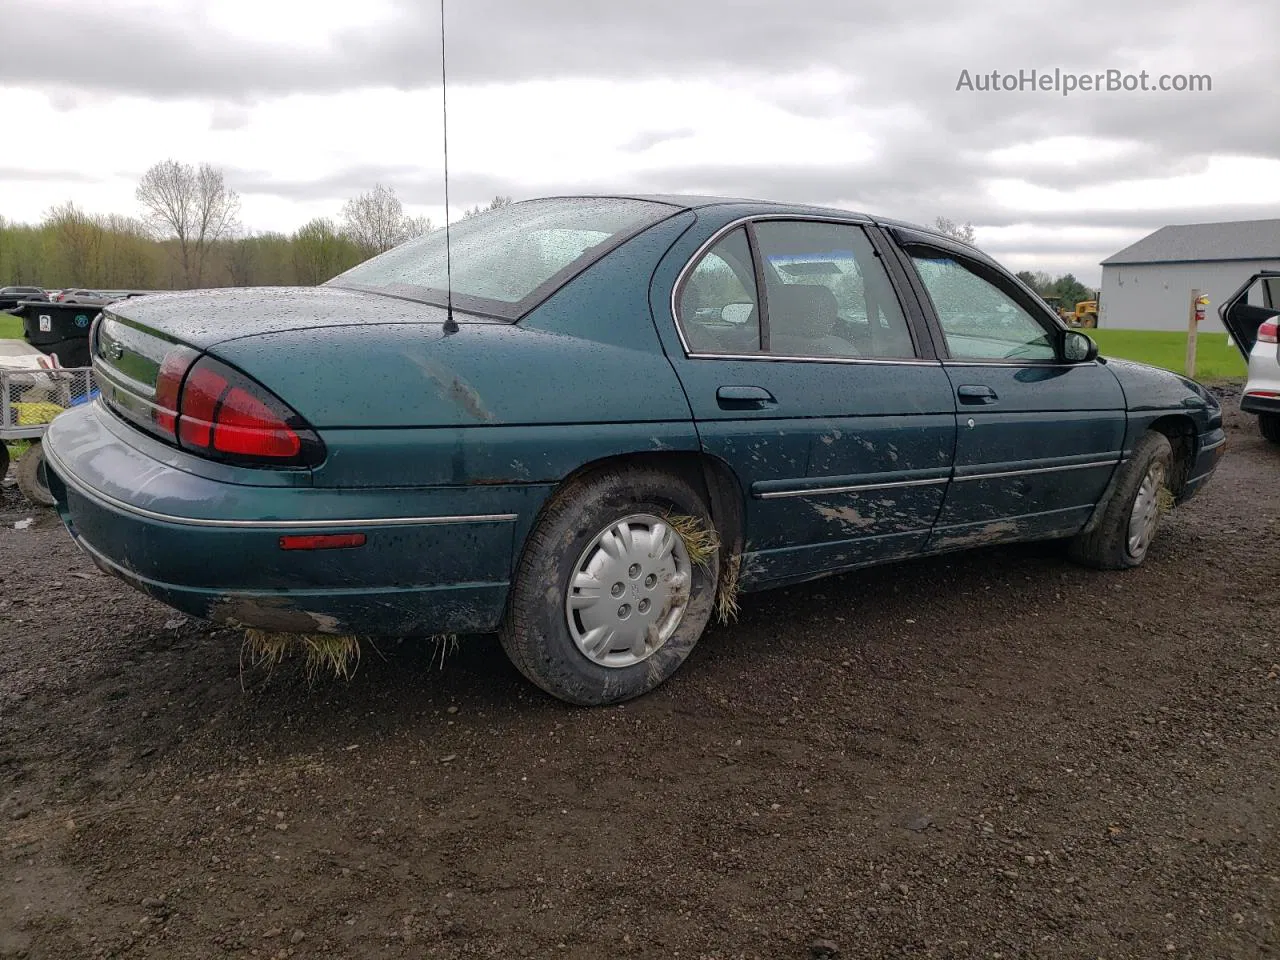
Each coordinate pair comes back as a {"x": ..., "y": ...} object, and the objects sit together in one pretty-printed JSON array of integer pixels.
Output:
[
  {"x": 322, "y": 541},
  {"x": 1269, "y": 394}
]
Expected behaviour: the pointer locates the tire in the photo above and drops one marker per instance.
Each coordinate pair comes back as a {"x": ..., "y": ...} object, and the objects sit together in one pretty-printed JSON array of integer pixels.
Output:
[
  {"x": 31, "y": 480},
  {"x": 4, "y": 459},
  {"x": 1269, "y": 424},
  {"x": 1090, "y": 320},
  {"x": 1109, "y": 545},
  {"x": 548, "y": 641}
]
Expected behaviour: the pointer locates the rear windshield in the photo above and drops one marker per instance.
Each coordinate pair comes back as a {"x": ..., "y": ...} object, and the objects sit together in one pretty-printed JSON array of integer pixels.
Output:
[{"x": 508, "y": 260}]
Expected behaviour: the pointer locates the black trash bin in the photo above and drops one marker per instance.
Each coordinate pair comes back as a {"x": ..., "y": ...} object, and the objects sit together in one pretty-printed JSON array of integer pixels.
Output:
[{"x": 59, "y": 328}]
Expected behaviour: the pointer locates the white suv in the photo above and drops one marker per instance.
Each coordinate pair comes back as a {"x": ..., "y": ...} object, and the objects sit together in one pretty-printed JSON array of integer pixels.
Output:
[{"x": 1252, "y": 314}]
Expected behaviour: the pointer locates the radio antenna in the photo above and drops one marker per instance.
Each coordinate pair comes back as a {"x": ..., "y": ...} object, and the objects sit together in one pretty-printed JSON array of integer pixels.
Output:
[{"x": 450, "y": 325}]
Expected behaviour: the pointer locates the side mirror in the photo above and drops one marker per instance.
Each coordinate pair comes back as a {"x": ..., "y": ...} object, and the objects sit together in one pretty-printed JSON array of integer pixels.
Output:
[
  {"x": 1078, "y": 347},
  {"x": 737, "y": 313}
]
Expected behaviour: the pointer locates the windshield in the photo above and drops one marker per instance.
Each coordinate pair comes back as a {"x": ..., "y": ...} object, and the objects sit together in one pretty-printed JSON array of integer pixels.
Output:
[{"x": 508, "y": 260}]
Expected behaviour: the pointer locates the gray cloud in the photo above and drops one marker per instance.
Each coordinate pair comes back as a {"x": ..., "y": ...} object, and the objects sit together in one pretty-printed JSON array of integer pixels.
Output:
[
  {"x": 42, "y": 174},
  {"x": 63, "y": 100},
  {"x": 226, "y": 116},
  {"x": 904, "y": 58},
  {"x": 412, "y": 184},
  {"x": 651, "y": 138}
]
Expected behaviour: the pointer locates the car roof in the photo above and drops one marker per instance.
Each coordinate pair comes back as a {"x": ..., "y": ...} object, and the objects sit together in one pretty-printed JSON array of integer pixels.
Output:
[{"x": 702, "y": 201}]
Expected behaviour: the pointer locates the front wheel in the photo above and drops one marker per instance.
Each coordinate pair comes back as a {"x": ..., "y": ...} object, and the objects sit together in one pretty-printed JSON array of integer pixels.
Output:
[
  {"x": 615, "y": 586},
  {"x": 1132, "y": 516},
  {"x": 1269, "y": 424}
]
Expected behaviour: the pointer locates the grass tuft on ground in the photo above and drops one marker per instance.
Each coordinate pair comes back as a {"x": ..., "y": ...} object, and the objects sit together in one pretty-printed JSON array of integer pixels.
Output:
[{"x": 1216, "y": 359}]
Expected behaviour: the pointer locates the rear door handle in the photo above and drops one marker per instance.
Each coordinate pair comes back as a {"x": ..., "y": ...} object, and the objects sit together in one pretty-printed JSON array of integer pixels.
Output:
[
  {"x": 976, "y": 394},
  {"x": 744, "y": 398}
]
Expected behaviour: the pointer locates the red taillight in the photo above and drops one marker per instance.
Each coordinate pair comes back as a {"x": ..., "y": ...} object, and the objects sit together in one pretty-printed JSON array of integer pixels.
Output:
[
  {"x": 215, "y": 411},
  {"x": 226, "y": 415},
  {"x": 199, "y": 404},
  {"x": 1269, "y": 332},
  {"x": 173, "y": 368},
  {"x": 246, "y": 425}
]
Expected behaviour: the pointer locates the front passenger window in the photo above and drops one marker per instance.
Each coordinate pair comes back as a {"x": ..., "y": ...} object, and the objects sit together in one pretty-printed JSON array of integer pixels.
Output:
[{"x": 979, "y": 320}]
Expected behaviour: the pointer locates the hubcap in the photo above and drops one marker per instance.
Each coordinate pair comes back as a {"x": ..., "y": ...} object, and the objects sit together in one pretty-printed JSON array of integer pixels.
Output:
[
  {"x": 628, "y": 591},
  {"x": 1146, "y": 510}
]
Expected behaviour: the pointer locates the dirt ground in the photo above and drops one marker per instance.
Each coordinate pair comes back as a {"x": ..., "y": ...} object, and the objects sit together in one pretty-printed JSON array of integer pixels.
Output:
[{"x": 991, "y": 754}]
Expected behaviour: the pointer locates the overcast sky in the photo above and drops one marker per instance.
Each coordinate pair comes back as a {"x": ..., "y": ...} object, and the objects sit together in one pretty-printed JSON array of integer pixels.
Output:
[{"x": 304, "y": 103}]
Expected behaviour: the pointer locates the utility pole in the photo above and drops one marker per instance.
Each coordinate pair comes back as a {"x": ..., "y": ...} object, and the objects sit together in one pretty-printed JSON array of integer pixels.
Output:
[{"x": 1198, "y": 303}]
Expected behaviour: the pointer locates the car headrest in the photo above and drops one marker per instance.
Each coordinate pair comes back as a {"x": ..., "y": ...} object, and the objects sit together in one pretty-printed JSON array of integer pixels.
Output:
[{"x": 803, "y": 309}]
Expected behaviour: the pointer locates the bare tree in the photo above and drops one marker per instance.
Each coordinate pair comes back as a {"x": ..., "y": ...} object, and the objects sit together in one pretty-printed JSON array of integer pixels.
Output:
[
  {"x": 376, "y": 221},
  {"x": 417, "y": 226},
  {"x": 956, "y": 231},
  {"x": 494, "y": 204},
  {"x": 77, "y": 237},
  {"x": 191, "y": 205},
  {"x": 128, "y": 257},
  {"x": 320, "y": 252}
]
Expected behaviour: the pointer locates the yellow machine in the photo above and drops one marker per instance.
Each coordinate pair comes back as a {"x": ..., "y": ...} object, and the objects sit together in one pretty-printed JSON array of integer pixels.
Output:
[{"x": 1085, "y": 314}]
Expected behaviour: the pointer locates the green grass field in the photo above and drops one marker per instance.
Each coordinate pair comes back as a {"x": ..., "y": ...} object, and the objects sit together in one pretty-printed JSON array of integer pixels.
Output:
[
  {"x": 1215, "y": 358},
  {"x": 10, "y": 327}
]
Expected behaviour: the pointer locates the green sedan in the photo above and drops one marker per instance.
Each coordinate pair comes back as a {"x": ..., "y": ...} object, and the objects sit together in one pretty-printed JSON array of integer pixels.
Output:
[{"x": 620, "y": 412}]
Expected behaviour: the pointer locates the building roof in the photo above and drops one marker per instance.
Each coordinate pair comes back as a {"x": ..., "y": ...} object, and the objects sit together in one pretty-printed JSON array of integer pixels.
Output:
[{"x": 1198, "y": 242}]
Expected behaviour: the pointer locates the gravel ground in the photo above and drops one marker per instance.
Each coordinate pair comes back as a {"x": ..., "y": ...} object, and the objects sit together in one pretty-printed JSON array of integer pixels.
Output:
[{"x": 991, "y": 754}]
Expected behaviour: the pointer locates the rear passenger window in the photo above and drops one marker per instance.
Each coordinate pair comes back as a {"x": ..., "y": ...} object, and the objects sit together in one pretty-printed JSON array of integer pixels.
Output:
[
  {"x": 827, "y": 294},
  {"x": 719, "y": 311}
]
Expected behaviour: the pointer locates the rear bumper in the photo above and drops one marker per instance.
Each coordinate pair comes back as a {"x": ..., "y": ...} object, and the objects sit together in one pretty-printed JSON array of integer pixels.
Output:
[
  {"x": 1251, "y": 403},
  {"x": 435, "y": 560},
  {"x": 1264, "y": 378}
]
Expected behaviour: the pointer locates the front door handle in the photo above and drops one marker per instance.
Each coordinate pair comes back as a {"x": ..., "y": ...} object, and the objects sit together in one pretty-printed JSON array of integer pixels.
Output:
[
  {"x": 976, "y": 394},
  {"x": 744, "y": 398}
]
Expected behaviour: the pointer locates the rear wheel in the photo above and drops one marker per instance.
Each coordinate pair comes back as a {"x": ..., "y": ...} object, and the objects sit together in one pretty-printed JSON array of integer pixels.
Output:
[
  {"x": 4, "y": 459},
  {"x": 31, "y": 478},
  {"x": 1130, "y": 520},
  {"x": 609, "y": 598},
  {"x": 1269, "y": 424}
]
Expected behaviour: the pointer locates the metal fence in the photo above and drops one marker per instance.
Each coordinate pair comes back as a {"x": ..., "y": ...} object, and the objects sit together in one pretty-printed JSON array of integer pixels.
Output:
[{"x": 29, "y": 399}]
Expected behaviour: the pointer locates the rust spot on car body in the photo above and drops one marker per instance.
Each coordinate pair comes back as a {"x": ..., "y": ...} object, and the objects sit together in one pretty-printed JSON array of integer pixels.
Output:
[
  {"x": 847, "y": 517},
  {"x": 997, "y": 532},
  {"x": 275, "y": 614}
]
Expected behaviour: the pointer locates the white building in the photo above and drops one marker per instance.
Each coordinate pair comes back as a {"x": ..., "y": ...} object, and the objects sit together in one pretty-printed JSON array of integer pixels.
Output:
[{"x": 1147, "y": 286}]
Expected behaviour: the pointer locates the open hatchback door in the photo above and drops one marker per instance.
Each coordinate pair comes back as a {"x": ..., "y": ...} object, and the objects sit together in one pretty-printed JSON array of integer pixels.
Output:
[
  {"x": 1256, "y": 302},
  {"x": 1252, "y": 316}
]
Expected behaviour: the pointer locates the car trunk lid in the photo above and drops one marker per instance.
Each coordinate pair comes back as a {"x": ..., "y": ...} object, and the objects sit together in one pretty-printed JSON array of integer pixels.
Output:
[
  {"x": 130, "y": 341},
  {"x": 203, "y": 318}
]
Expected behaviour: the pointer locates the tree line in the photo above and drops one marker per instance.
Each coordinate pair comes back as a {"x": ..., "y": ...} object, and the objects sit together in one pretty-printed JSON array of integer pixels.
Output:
[
  {"x": 1065, "y": 288},
  {"x": 187, "y": 234}
]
